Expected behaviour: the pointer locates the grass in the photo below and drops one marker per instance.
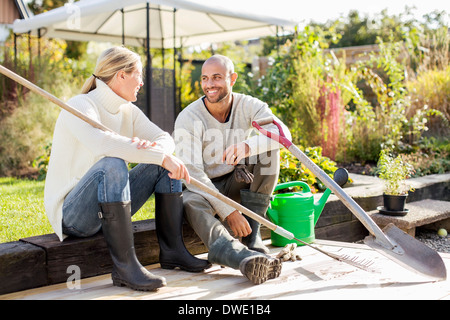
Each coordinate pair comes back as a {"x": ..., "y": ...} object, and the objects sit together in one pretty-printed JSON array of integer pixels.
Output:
[{"x": 22, "y": 212}]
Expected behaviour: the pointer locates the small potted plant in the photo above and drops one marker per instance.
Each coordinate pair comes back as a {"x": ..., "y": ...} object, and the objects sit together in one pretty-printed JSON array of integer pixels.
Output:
[{"x": 394, "y": 171}]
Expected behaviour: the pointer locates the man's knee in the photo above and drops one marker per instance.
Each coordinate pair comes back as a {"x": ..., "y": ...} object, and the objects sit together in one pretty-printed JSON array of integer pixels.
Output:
[
  {"x": 266, "y": 172},
  {"x": 201, "y": 217},
  {"x": 195, "y": 203}
]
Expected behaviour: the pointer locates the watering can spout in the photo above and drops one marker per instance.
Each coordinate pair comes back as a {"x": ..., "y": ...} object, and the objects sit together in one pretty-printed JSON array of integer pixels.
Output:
[
  {"x": 318, "y": 205},
  {"x": 340, "y": 177}
]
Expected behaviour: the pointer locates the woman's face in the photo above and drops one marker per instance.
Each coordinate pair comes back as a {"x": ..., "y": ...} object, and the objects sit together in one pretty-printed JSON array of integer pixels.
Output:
[{"x": 127, "y": 85}]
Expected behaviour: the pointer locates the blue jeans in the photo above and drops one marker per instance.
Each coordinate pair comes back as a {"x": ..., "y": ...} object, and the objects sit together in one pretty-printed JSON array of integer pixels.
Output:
[{"x": 109, "y": 180}]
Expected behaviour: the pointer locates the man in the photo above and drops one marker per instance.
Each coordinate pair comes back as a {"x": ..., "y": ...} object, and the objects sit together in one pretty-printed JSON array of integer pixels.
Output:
[{"x": 214, "y": 139}]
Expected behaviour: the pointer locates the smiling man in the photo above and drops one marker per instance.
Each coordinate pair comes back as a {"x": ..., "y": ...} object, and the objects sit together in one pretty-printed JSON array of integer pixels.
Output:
[{"x": 215, "y": 140}]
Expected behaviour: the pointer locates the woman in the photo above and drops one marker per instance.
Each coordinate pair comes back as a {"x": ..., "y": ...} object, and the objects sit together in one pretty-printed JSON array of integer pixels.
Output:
[{"x": 89, "y": 186}]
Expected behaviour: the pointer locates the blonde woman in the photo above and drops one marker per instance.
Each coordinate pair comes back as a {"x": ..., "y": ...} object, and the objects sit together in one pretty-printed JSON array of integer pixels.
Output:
[{"x": 89, "y": 186}]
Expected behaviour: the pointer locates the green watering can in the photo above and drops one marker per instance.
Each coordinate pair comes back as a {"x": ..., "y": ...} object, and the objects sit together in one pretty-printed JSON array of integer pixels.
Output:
[{"x": 297, "y": 211}]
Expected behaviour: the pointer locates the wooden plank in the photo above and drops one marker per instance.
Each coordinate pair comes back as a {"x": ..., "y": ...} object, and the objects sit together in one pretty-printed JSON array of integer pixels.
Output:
[
  {"x": 22, "y": 266},
  {"x": 316, "y": 276},
  {"x": 350, "y": 231},
  {"x": 91, "y": 254}
]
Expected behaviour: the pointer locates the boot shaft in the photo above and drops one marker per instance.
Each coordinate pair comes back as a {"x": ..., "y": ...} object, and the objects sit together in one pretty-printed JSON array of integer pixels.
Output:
[
  {"x": 169, "y": 212},
  {"x": 118, "y": 233},
  {"x": 256, "y": 202}
]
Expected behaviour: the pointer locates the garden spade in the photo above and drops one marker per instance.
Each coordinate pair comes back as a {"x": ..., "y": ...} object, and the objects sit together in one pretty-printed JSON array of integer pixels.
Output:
[{"x": 392, "y": 242}]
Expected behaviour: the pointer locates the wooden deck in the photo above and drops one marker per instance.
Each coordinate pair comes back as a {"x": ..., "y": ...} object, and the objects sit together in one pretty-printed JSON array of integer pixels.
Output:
[{"x": 316, "y": 276}]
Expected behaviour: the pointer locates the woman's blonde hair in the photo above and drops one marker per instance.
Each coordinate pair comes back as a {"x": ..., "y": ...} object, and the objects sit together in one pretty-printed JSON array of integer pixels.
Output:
[{"x": 109, "y": 63}]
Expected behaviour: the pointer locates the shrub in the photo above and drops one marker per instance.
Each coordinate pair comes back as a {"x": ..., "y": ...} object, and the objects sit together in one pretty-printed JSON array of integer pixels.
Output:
[
  {"x": 431, "y": 157},
  {"x": 27, "y": 126},
  {"x": 291, "y": 169},
  {"x": 431, "y": 88}
]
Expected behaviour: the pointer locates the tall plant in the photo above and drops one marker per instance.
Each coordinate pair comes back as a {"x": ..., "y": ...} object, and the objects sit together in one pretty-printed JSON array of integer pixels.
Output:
[
  {"x": 383, "y": 125},
  {"x": 302, "y": 87}
]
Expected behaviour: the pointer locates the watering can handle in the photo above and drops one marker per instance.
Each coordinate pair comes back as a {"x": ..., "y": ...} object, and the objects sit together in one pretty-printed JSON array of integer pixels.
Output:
[{"x": 285, "y": 185}]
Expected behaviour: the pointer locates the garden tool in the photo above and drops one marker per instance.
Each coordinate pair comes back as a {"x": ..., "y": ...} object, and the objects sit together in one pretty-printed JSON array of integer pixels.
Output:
[
  {"x": 352, "y": 261},
  {"x": 391, "y": 241}
]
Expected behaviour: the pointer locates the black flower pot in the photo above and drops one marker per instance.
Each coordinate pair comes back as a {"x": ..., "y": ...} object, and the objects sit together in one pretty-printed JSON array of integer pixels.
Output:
[{"x": 394, "y": 204}]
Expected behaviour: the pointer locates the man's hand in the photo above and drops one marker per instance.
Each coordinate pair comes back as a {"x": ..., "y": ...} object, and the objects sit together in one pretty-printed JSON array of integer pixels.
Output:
[
  {"x": 176, "y": 168},
  {"x": 238, "y": 224},
  {"x": 235, "y": 153}
]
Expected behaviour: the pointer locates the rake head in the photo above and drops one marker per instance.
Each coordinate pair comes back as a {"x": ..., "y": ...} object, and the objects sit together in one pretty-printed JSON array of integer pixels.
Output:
[{"x": 353, "y": 261}]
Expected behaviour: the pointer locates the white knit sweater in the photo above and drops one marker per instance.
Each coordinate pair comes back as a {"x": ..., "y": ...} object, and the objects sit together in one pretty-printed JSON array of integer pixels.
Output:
[
  {"x": 77, "y": 146},
  {"x": 201, "y": 140}
]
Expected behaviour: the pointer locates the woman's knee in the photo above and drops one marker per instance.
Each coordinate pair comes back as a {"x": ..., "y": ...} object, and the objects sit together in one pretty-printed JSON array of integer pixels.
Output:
[
  {"x": 114, "y": 181},
  {"x": 115, "y": 168}
]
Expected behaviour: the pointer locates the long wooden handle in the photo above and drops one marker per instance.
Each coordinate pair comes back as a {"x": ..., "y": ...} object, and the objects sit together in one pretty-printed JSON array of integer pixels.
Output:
[
  {"x": 282, "y": 232},
  {"x": 264, "y": 121},
  {"x": 233, "y": 204},
  {"x": 98, "y": 125},
  {"x": 51, "y": 97}
]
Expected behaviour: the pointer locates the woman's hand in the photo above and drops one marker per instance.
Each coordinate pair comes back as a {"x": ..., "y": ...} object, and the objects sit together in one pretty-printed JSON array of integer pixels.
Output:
[
  {"x": 177, "y": 169},
  {"x": 143, "y": 144}
]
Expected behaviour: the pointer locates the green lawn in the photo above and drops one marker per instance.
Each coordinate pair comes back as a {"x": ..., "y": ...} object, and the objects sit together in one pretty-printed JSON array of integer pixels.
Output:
[{"x": 22, "y": 212}]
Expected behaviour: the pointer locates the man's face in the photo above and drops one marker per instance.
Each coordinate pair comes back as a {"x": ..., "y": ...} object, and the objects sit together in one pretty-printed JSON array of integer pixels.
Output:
[{"x": 216, "y": 81}]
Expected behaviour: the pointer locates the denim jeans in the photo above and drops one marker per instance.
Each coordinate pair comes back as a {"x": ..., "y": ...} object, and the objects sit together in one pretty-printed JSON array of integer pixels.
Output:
[{"x": 109, "y": 180}]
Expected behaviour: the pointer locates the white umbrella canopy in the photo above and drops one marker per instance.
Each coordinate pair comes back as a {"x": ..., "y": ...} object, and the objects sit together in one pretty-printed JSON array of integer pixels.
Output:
[
  {"x": 162, "y": 24},
  {"x": 172, "y": 23}
]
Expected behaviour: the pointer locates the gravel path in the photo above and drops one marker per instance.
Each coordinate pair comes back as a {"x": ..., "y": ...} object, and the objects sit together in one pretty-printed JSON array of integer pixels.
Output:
[{"x": 431, "y": 239}]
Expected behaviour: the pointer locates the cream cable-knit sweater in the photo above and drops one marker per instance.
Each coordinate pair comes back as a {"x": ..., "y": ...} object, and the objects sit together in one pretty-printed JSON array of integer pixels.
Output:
[
  {"x": 201, "y": 140},
  {"x": 77, "y": 146}
]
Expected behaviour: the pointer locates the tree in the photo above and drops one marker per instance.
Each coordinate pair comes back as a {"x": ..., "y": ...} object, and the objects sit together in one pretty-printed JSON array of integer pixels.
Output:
[{"x": 75, "y": 49}]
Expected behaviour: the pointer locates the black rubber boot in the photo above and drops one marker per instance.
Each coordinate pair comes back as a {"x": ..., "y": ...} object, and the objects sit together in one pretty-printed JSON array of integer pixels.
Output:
[
  {"x": 256, "y": 266},
  {"x": 258, "y": 203},
  {"x": 118, "y": 233},
  {"x": 169, "y": 223}
]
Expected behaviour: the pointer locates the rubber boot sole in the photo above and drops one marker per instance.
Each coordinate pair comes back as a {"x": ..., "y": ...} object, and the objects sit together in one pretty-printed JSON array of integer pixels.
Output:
[
  {"x": 153, "y": 286},
  {"x": 170, "y": 266},
  {"x": 259, "y": 269}
]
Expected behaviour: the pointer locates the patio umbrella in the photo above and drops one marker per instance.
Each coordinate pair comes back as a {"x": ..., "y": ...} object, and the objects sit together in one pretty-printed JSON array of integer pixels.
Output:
[
  {"x": 172, "y": 23},
  {"x": 152, "y": 24}
]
